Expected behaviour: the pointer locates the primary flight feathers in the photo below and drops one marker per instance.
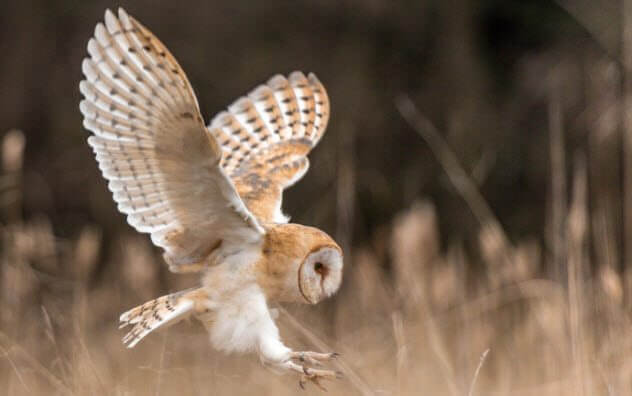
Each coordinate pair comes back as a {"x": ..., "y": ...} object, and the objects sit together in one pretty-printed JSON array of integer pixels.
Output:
[{"x": 191, "y": 186}]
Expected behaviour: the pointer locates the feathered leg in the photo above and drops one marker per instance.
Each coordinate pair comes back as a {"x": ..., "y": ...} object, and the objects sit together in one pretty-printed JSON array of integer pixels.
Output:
[
  {"x": 243, "y": 322},
  {"x": 274, "y": 353}
]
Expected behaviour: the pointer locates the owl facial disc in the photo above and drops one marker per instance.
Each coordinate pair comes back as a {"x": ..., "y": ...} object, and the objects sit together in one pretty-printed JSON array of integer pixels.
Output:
[{"x": 320, "y": 274}]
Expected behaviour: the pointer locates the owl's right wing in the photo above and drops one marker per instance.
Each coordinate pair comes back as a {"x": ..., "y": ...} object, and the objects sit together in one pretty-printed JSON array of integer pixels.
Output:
[
  {"x": 266, "y": 137},
  {"x": 152, "y": 145}
]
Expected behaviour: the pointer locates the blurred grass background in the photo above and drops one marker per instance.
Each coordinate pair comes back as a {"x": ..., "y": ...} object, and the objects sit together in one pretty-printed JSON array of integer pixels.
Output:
[{"x": 476, "y": 171}]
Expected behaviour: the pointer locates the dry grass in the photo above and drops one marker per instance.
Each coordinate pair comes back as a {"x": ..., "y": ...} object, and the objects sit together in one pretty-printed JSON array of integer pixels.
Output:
[{"x": 429, "y": 323}]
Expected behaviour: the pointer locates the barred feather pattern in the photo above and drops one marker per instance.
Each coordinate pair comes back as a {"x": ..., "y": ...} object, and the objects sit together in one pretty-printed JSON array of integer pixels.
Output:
[
  {"x": 151, "y": 144},
  {"x": 266, "y": 136},
  {"x": 154, "y": 314}
]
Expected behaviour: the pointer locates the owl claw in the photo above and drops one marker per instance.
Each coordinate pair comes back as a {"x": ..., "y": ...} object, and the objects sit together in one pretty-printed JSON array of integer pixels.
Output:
[
  {"x": 314, "y": 358},
  {"x": 314, "y": 376},
  {"x": 305, "y": 358},
  {"x": 310, "y": 374}
]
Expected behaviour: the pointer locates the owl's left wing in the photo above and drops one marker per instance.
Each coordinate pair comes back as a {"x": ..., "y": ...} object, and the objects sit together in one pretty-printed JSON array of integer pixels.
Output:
[
  {"x": 152, "y": 145},
  {"x": 266, "y": 136}
]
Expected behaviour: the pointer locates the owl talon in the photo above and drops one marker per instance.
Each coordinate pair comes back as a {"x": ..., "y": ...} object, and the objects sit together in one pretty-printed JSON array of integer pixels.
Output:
[
  {"x": 310, "y": 374},
  {"x": 314, "y": 377},
  {"x": 314, "y": 358},
  {"x": 304, "y": 358}
]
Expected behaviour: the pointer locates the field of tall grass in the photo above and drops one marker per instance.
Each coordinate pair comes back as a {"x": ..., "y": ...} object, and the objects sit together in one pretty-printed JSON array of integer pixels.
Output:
[{"x": 413, "y": 317}]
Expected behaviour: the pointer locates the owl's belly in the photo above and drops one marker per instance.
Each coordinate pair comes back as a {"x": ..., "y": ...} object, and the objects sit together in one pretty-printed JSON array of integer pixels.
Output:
[{"x": 235, "y": 321}]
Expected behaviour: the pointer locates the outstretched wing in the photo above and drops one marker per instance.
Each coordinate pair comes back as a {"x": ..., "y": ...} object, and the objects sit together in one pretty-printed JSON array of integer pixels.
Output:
[
  {"x": 152, "y": 145},
  {"x": 266, "y": 137}
]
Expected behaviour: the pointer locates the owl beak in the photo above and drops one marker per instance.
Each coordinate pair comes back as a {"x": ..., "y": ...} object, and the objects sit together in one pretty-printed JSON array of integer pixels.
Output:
[{"x": 307, "y": 298}]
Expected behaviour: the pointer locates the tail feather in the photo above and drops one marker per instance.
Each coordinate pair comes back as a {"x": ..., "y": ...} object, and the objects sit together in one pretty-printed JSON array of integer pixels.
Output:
[{"x": 154, "y": 314}]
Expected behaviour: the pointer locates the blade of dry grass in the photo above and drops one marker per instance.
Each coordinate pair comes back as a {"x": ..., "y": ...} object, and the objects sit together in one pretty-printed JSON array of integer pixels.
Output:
[
  {"x": 402, "y": 350},
  {"x": 50, "y": 333},
  {"x": 577, "y": 229},
  {"x": 161, "y": 364},
  {"x": 584, "y": 19},
  {"x": 558, "y": 178},
  {"x": 476, "y": 373},
  {"x": 626, "y": 55},
  {"x": 88, "y": 356},
  {"x": 35, "y": 365},
  {"x": 345, "y": 189},
  {"x": 349, "y": 373},
  {"x": 463, "y": 183},
  {"x": 15, "y": 368},
  {"x": 13, "y": 143},
  {"x": 437, "y": 344},
  {"x": 477, "y": 307}
]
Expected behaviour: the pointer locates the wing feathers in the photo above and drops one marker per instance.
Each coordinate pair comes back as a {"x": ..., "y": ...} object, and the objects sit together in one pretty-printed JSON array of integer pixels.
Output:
[
  {"x": 152, "y": 146},
  {"x": 154, "y": 314},
  {"x": 266, "y": 135}
]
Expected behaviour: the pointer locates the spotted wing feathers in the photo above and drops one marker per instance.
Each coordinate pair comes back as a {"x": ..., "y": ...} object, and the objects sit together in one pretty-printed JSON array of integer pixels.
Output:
[
  {"x": 152, "y": 146},
  {"x": 266, "y": 136},
  {"x": 154, "y": 314}
]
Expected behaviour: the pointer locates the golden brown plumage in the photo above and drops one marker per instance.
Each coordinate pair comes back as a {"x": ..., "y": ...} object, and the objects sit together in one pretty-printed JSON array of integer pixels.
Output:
[
  {"x": 260, "y": 180},
  {"x": 278, "y": 267}
]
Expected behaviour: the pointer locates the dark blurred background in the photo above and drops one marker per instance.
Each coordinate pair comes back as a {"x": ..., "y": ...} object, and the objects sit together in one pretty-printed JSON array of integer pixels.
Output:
[{"x": 479, "y": 70}]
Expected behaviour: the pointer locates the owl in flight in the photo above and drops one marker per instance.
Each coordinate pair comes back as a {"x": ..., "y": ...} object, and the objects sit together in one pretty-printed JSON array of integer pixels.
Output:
[{"x": 210, "y": 196}]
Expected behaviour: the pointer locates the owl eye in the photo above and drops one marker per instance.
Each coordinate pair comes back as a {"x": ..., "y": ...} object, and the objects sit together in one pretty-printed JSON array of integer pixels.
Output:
[{"x": 319, "y": 268}]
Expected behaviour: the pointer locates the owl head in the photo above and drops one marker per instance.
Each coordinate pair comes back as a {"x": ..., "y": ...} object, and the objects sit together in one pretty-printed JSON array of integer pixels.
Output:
[{"x": 300, "y": 264}]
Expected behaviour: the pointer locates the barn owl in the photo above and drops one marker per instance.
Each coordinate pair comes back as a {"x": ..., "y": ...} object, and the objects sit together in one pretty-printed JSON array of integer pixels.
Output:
[{"x": 210, "y": 196}]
